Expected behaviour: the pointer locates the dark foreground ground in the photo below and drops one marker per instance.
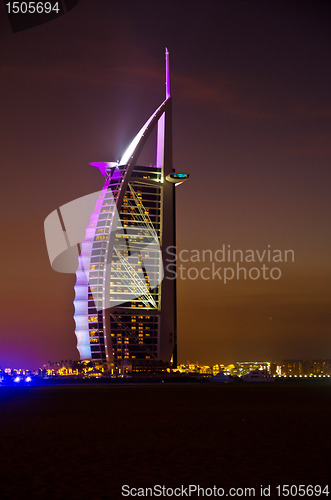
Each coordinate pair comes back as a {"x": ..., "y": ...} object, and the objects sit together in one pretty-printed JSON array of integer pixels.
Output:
[{"x": 84, "y": 442}]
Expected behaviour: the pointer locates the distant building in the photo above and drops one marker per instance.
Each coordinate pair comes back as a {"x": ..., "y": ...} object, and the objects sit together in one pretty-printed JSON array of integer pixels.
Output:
[
  {"x": 152, "y": 366},
  {"x": 293, "y": 368},
  {"x": 321, "y": 366},
  {"x": 218, "y": 368},
  {"x": 244, "y": 367}
]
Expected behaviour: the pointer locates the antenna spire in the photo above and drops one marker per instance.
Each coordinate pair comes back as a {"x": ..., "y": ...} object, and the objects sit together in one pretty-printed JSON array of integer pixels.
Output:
[{"x": 167, "y": 71}]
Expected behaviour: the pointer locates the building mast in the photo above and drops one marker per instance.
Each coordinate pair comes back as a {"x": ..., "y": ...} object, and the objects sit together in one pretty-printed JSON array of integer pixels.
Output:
[{"x": 168, "y": 95}]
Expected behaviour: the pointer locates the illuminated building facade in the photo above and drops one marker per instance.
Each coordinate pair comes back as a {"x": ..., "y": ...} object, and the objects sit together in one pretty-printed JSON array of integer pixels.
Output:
[
  {"x": 293, "y": 367},
  {"x": 321, "y": 366},
  {"x": 124, "y": 310}
]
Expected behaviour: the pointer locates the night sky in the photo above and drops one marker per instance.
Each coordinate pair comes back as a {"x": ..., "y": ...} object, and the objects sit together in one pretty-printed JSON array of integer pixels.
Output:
[{"x": 251, "y": 93}]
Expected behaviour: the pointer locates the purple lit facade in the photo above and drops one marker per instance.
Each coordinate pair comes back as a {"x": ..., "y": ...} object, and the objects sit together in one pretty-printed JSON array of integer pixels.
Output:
[{"x": 124, "y": 311}]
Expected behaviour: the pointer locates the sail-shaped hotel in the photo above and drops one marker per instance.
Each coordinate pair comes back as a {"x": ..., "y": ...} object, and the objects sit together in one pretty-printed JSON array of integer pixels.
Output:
[{"x": 125, "y": 298}]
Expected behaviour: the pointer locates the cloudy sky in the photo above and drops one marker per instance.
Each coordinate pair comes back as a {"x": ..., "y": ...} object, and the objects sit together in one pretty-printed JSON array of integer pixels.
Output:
[{"x": 251, "y": 93}]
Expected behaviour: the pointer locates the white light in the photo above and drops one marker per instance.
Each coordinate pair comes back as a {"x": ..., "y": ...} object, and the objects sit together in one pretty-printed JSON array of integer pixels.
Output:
[
  {"x": 28, "y": 379},
  {"x": 131, "y": 149},
  {"x": 17, "y": 379}
]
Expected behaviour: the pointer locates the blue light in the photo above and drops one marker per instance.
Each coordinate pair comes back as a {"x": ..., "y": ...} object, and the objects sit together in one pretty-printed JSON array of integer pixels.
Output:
[{"x": 178, "y": 176}]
